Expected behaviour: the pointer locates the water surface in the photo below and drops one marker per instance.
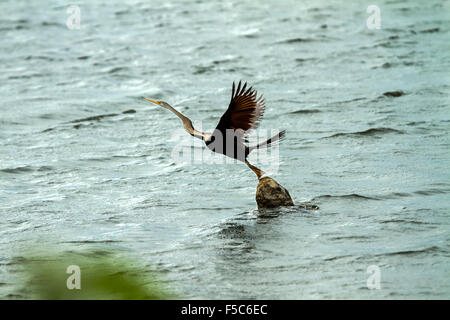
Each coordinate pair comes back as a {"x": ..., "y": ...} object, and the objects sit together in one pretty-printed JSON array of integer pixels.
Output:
[{"x": 77, "y": 173}]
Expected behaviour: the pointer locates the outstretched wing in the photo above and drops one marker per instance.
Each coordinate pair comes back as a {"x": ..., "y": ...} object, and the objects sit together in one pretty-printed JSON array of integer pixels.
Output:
[{"x": 245, "y": 109}]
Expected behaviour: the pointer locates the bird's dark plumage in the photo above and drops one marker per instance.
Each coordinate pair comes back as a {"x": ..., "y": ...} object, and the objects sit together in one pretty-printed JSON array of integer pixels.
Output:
[
  {"x": 244, "y": 111},
  {"x": 230, "y": 136}
]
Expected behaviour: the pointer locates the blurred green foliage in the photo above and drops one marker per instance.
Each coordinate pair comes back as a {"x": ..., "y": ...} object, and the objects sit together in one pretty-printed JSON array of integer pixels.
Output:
[{"x": 102, "y": 276}]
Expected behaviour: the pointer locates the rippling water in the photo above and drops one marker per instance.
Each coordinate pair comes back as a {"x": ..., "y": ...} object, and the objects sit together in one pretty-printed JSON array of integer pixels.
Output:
[{"x": 85, "y": 163}]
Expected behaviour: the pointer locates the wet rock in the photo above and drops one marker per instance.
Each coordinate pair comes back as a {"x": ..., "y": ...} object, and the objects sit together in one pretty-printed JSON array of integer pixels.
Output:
[{"x": 270, "y": 194}]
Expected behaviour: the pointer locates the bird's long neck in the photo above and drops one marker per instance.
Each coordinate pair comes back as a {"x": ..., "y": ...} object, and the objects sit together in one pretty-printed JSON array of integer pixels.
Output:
[
  {"x": 179, "y": 114},
  {"x": 187, "y": 124}
]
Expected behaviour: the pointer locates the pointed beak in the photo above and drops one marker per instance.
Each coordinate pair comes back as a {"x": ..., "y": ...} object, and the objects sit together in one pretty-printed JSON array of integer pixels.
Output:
[{"x": 152, "y": 101}]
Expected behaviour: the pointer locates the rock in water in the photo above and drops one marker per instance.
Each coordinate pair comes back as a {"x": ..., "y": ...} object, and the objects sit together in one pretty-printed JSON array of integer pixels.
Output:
[{"x": 270, "y": 194}]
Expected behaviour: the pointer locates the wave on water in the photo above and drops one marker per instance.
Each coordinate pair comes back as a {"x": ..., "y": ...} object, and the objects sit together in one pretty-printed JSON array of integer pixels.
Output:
[
  {"x": 351, "y": 237},
  {"x": 431, "y": 30},
  {"x": 78, "y": 122},
  {"x": 28, "y": 76},
  {"x": 305, "y": 111},
  {"x": 23, "y": 169},
  {"x": 41, "y": 57},
  {"x": 92, "y": 241},
  {"x": 406, "y": 221},
  {"x": 304, "y": 60},
  {"x": 117, "y": 69},
  {"x": 431, "y": 192},
  {"x": 346, "y": 196},
  {"x": 428, "y": 192},
  {"x": 296, "y": 40},
  {"x": 427, "y": 250},
  {"x": 393, "y": 195},
  {"x": 368, "y": 132},
  {"x": 95, "y": 118}
]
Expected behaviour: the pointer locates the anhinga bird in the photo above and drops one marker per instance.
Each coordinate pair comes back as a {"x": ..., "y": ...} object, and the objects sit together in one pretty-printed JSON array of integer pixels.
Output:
[{"x": 230, "y": 136}]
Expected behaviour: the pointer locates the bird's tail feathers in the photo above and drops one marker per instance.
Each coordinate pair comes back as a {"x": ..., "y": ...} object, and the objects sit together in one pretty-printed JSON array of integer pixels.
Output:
[{"x": 276, "y": 138}]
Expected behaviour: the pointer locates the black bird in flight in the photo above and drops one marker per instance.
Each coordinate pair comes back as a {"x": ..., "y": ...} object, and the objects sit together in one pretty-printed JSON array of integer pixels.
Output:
[{"x": 230, "y": 136}]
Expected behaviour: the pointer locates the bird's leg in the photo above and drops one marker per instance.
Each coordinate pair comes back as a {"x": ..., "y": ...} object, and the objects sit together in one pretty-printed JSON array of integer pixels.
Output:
[{"x": 259, "y": 173}]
